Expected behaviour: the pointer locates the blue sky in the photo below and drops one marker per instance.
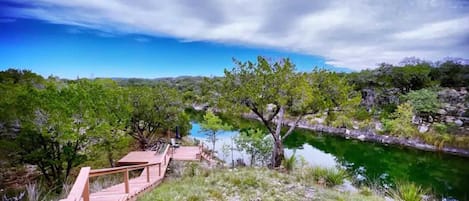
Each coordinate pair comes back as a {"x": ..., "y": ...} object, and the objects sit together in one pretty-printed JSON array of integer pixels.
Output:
[
  {"x": 120, "y": 38},
  {"x": 71, "y": 52}
]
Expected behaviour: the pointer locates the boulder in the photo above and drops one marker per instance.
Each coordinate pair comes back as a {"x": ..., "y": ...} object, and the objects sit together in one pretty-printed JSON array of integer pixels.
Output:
[
  {"x": 442, "y": 112},
  {"x": 458, "y": 122},
  {"x": 423, "y": 128},
  {"x": 379, "y": 126},
  {"x": 347, "y": 132},
  {"x": 449, "y": 119},
  {"x": 361, "y": 137}
]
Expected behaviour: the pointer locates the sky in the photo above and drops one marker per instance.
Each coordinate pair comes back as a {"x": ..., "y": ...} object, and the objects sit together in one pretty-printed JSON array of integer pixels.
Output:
[{"x": 167, "y": 38}]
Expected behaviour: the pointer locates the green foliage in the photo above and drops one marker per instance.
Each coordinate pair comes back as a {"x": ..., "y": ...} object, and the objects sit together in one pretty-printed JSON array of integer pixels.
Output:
[
  {"x": 401, "y": 125},
  {"x": 156, "y": 111},
  {"x": 289, "y": 162},
  {"x": 424, "y": 101},
  {"x": 62, "y": 118},
  {"x": 211, "y": 125},
  {"x": 440, "y": 128},
  {"x": 404, "y": 191},
  {"x": 451, "y": 74},
  {"x": 327, "y": 176},
  {"x": 274, "y": 89},
  {"x": 256, "y": 143}
]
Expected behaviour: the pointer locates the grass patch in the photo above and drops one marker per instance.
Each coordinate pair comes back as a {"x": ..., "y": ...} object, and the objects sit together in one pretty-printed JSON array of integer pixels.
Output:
[
  {"x": 404, "y": 191},
  {"x": 247, "y": 184}
]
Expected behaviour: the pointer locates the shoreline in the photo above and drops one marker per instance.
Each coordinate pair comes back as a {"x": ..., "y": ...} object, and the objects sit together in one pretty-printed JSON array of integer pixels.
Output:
[{"x": 371, "y": 136}]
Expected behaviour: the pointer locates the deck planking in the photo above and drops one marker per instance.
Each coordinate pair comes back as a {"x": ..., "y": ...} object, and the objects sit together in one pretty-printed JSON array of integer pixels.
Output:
[{"x": 140, "y": 184}]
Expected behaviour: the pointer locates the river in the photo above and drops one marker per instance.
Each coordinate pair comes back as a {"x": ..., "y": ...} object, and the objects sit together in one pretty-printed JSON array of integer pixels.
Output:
[{"x": 446, "y": 175}]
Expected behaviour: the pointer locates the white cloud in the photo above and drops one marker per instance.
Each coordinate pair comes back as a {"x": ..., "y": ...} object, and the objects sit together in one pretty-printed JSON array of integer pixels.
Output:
[{"x": 355, "y": 34}]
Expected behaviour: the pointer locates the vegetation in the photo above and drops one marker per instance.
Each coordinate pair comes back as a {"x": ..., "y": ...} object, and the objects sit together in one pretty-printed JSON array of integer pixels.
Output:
[
  {"x": 58, "y": 124},
  {"x": 257, "y": 144},
  {"x": 401, "y": 125},
  {"x": 424, "y": 101},
  {"x": 211, "y": 126},
  {"x": 273, "y": 90},
  {"x": 408, "y": 192},
  {"x": 248, "y": 184}
]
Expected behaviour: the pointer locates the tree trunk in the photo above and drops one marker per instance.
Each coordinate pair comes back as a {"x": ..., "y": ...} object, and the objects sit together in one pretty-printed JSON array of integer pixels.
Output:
[
  {"x": 277, "y": 154},
  {"x": 213, "y": 141}
]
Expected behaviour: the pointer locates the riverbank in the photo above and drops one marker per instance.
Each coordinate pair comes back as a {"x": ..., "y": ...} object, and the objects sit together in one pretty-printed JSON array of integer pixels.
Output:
[{"x": 372, "y": 136}]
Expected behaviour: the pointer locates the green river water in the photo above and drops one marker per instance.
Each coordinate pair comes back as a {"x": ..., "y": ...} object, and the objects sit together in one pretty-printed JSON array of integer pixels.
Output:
[{"x": 446, "y": 175}]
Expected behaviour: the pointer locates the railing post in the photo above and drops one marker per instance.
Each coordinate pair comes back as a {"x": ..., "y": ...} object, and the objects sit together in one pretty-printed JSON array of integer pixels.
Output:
[
  {"x": 126, "y": 181},
  {"x": 148, "y": 174},
  {"x": 86, "y": 191},
  {"x": 164, "y": 159},
  {"x": 159, "y": 169}
]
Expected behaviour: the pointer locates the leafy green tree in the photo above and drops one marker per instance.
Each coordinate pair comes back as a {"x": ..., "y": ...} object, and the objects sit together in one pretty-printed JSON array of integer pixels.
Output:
[
  {"x": 114, "y": 111},
  {"x": 211, "y": 125},
  {"x": 256, "y": 143},
  {"x": 56, "y": 126},
  {"x": 271, "y": 90},
  {"x": 424, "y": 101},
  {"x": 451, "y": 74},
  {"x": 156, "y": 111}
]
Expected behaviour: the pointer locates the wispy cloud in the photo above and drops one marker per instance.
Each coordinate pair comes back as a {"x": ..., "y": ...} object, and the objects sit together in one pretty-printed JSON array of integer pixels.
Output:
[{"x": 354, "y": 34}]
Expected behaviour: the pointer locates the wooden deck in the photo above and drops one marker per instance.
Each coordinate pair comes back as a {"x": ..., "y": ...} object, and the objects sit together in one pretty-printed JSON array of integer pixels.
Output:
[{"x": 154, "y": 167}]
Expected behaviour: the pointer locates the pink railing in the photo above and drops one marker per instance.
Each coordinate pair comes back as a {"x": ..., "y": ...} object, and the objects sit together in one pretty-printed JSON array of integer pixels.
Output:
[{"x": 80, "y": 189}]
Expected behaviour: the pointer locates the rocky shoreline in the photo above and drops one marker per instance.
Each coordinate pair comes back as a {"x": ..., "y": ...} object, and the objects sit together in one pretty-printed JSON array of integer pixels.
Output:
[{"x": 371, "y": 136}]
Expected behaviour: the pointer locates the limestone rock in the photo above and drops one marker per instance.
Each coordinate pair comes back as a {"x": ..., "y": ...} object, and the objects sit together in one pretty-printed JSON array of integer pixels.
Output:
[
  {"x": 378, "y": 126},
  {"x": 423, "y": 128},
  {"x": 361, "y": 137},
  {"x": 442, "y": 112}
]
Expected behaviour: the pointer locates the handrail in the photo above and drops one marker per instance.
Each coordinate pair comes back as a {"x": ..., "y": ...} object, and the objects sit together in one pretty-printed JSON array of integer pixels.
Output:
[
  {"x": 105, "y": 171},
  {"x": 80, "y": 187}
]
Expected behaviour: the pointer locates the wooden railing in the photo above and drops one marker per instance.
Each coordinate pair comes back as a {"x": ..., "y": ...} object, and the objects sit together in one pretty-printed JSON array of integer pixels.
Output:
[
  {"x": 203, "y": 155},
  {"x": 81, "y": 190}
]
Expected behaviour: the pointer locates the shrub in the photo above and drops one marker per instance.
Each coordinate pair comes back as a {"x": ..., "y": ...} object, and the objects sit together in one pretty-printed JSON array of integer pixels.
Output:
[
  {"x": 331, "y": 176},
  {"x": 424, "y": 101},
  {"x": 401, "y": 125},
  {"x": 404, "y": 191},
  {"x": 361, "y": 114},
  {"x": 440, "y": 128},
  {"x": 289, "y": 162}
]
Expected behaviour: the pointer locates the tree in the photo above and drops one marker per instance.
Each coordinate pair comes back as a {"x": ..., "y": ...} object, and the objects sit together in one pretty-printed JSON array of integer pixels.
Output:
[
  {"x": 273, "y": 90},
  {"x": 156, "y": 110},
  {"x": 55, "y": 126},
  {"x": 256, "y": 143},
  {"x": 114, "y": 111},
  {"x": 211, "y": 125},
  {"x": 424, "y": 101}
]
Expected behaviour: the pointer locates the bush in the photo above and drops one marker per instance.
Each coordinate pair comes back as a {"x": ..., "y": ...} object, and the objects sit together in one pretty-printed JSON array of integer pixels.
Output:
[
  {"x": 401, "y": 125},
  {"x": 289, "y": 163},
  {"x": 408, "y": 192},
  {"x": 331, "y": 176},
  {"x": 424, "y": 101},
  {"x": 361, "y": 114},
  {"x": 440, "y": 128}
]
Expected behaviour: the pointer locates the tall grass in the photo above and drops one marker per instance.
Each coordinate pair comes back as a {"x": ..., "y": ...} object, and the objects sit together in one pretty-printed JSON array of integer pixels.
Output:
[
  {"x": 33, "y": 191},
  {"x": 289, "y": 162},
  {"x": 328, "y": 176},
  {"x": 405, "y": 191}
]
